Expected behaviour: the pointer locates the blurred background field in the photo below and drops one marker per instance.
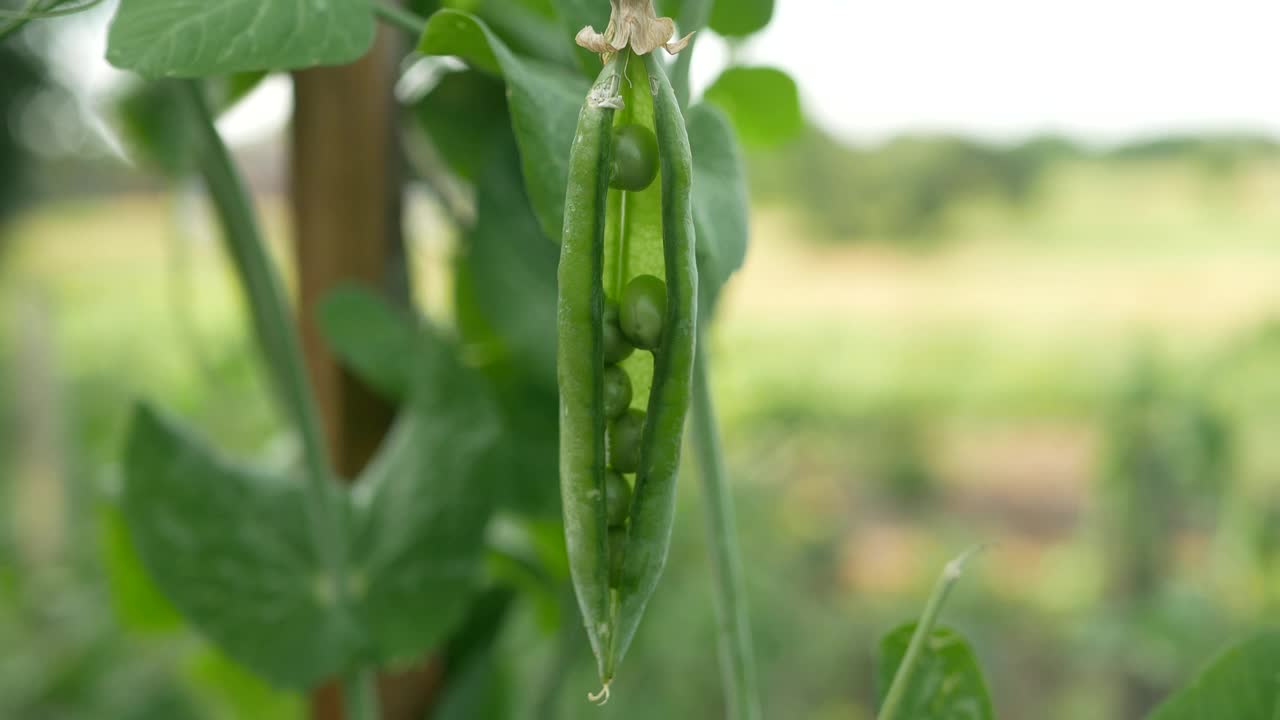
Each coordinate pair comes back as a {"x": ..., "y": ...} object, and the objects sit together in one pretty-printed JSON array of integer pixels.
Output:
[
  {"x": 1068, "y": 352},
  {"x": 1006, "y": 378}
]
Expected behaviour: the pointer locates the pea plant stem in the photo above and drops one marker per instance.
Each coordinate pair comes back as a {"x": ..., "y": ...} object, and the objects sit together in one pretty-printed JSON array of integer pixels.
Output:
[
  {"x": 406, "y": 20},
  {"x": 268, "y": 310},
  {"x": 693, "y": 17},
  {"x": 891, "y": 709},
  {"x": 737, "y": 659},
  {"x": 278, "y": 340}
]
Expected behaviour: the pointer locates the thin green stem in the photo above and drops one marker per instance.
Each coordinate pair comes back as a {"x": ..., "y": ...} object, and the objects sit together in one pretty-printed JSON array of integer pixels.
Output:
[
  {"x": 693, "y": 18},
  {"x": 406, "y": 20},
  {"x": 737, "y": 659},
  {"x": 902, "y": 679},
  {"x": 266, "y": 299},
  {"x": 282, "y": 351}
]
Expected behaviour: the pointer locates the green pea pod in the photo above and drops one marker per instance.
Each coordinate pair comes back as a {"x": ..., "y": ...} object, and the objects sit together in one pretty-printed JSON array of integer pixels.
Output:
[{"x": 612, "y": 237}]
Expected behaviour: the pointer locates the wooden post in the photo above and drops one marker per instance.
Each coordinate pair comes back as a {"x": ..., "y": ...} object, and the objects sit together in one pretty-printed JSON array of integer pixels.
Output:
[{"x": 346, "y": 206}]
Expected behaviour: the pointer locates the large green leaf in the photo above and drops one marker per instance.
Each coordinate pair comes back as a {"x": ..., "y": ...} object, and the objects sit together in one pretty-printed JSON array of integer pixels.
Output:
[
  {"x": 195, "y": 38},
  {"x": 508, "y": 284},
  {"x": 739, "y": 18},
  {"x": 948, "y": 682},
  {"x": 763, "y": 103},
  {"x": 1242, "y": 683},
  {"x": 544, "y": 101},
  {"x": 719, "y": 201},
  {"x": 233, "y": 551},
  {"x": 422, "y": 507},
  {"x": 380, "y": 344}
]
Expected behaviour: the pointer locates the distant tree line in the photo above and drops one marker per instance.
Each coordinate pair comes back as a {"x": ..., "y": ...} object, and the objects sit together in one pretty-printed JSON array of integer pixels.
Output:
[{"x": 903, "y": 189}]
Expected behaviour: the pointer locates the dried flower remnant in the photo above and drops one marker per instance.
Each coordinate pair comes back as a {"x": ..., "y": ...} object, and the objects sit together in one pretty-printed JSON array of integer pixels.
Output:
[{"x": 634, "y": 24}]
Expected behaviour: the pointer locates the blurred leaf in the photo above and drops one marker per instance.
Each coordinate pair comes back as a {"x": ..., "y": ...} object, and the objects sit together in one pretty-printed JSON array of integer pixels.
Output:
[
  {"x": 577, "y": 14},
  {"x": 474, "y": 686},
  {"x": 423, "y": 506},
  {"x": 156, "y": 121},
  {"x": 762, "y": 103},
  {"x": 377, "y": 341},
  {"x": 231, "y": 89},
  {"x": 544, "y": 100},
  {"x": 512, "y": 267},
  {"x": 948, "y": 682},
  {"x": 739, "y": 18},
  {"x": 1243, "y": 683},
  {"x": 137, "y": 602},
  {"x": 157, "y": 125},
  {"x": 233, "y": 551},
  {"x": 464, "y": 114},
  {"x": 507, "y": 284},
  {"x": 528, "y": 27},
  {"x": 381, "y": 345},
  {"x": 196, "y": 38},
  {"x": 719, "y": 202},
  {"x": 240, "y": 694}
]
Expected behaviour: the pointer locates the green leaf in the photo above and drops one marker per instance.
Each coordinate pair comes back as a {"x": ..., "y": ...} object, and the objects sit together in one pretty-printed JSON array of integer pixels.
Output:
[
  {"x": 375, "y": 340},
  {"x": 507, "y": 287},
  {"x": 422, "y": 507},
  {"x": 948, "y": 682},
  {"x": 544, "y": 101},
  {"x": 1243, "y": 683},
  {"x": 513, "y": 266},
  {"x": 157, "y": 123},
  {"x": 232, "y": 550},
  {"x": 137, "y": 602},
  {"x": 577, "y": 14},
  {"x": 762, "y": 103},
  {"x": 719, "y": 201},
  {"x": 528, "y": 28},
  {"x": 739, "y": 18},
  {"x": 465, "y": 114},
  {"x": 196, "y": 38},
  {"x": 236, "y": 693}
]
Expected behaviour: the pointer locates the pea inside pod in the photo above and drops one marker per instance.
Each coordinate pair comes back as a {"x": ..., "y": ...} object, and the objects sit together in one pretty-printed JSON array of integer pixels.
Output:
[{"x": 626, "y": 322}]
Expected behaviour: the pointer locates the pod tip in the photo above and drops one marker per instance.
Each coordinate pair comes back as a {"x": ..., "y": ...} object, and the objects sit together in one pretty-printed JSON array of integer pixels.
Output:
[{"x": 600, "y": 698}]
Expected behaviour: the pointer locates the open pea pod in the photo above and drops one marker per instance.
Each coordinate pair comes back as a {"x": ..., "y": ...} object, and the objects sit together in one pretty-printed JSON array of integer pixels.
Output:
[{"x": 627, "y": 313}]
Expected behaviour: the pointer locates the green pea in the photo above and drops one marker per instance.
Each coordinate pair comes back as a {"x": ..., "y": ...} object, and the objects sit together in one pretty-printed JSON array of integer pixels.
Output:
[
  {"x": 617, "y": 498},
  {"x": 635, "y": 158},
  {"x": 617, "y": 391},
  {"x": 616, "y": 347},
  {"x": 623, "y": 442},
  {"x": 643, "y": 311},
  {"x": 617, "y": 551}
]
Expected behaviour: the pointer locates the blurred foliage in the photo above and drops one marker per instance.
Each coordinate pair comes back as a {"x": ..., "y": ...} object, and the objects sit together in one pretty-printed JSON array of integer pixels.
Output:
[
  {"x": 762, "y": 103},
  {"x": 21, "y": 75},
  {"x": 907, "y": 188}
]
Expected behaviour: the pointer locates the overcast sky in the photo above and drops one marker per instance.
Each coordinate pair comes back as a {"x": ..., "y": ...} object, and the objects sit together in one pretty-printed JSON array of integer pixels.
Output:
[
  {"x": 1100, "y": 70},
  {"x": 1103, "y": 70}
]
